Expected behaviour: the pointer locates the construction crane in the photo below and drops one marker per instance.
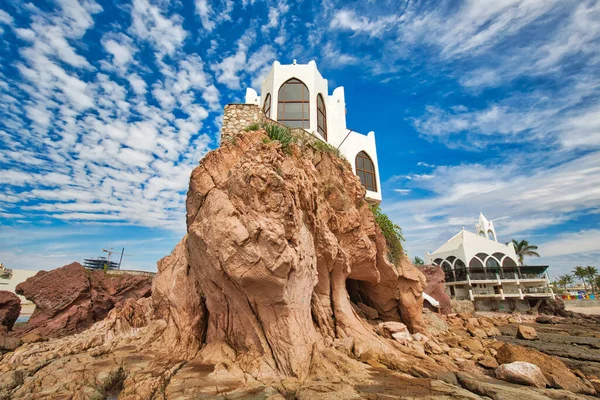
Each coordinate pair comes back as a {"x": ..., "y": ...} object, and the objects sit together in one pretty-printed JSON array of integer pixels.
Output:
[{"x": 111, "y": 252}]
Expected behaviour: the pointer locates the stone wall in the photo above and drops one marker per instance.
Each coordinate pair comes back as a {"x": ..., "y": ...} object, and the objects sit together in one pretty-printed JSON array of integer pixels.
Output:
[{"x": 236, "y": 117}]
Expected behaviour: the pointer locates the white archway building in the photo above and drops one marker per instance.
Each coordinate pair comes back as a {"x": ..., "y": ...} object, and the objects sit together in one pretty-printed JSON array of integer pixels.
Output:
[
  {"x": 479, "y": 268},
  {"x": 298, "y": 96}
]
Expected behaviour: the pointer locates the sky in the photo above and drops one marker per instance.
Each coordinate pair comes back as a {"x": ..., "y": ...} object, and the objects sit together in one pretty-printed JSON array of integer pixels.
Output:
[{"x": 477, "y": 105}]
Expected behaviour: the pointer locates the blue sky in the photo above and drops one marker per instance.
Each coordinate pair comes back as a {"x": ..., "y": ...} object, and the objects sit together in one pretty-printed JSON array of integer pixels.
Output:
[{"x": 106, "y": 107}]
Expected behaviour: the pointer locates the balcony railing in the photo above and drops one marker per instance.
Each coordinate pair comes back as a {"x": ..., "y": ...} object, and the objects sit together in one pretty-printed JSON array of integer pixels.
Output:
[
  {"x": 537, "y": 290},
  {"x": 481, "y": 291},
  {"x": 525, "y": 275},
  {"x": 511, "y": 291},
  {"x": 474, "y": 276}
]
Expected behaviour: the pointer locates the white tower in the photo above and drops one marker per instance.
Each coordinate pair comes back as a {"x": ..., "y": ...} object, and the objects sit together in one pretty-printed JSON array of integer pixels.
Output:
[
  {"x": 485, "y": 228},
  {"x": 297, "y": 95}
]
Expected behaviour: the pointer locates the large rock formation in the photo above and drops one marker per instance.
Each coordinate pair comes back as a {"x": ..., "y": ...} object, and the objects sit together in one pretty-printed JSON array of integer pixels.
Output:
[
  {"x": 436, "y": 288},
  {"x": 274, "y": 240},
  {"x": 10, "y": 308},
  {"x": 71, "y": 298}
]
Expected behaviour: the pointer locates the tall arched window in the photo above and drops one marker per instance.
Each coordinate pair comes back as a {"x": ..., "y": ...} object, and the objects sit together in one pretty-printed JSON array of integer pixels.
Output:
[
  {"x": 365, "y": 169},
  {"x": 321, "y": 117},
  {"x": 267, "y": 106},
  {"x": 293, "y": 104}
]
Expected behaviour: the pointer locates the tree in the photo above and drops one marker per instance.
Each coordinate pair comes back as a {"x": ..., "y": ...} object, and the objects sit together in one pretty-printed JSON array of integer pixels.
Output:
[
  {"x": 581, "y": 273},
  {"x": 418, "y": 261},
  {"x": 592, "y": 273},
  {"x": 565, "y": 280},
  {"x": 523, "y": 248}
]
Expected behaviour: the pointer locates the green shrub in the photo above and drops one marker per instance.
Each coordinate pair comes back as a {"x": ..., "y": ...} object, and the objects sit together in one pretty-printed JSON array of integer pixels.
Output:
[
  {"x": 320, "y": 145},
  {"x": 252, "y": 127},
  {"x": 392, "y": 233},
  {"x": 281, "y": 134}
]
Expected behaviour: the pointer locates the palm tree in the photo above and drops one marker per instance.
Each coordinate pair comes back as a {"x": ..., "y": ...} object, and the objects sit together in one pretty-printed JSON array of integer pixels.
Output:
[
  {"x": 565, "y": 280},
  {"x": 581, "y": 273},
  {"x": 597, "y": 281},
  {"x": 523, "y": 248},
  {"x": 418, "y": 261},
  {"x": 592, "y": 273}
]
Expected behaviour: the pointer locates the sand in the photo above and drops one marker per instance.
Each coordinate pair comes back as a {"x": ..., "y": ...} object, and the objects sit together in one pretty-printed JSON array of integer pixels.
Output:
[{"x": 584, "y": 310}]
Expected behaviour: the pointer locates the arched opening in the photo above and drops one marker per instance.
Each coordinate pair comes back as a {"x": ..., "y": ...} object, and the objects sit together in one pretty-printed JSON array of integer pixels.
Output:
[
  {"x": 460, "y": 270},
  {"x": 365, "y": 169},
  {"x": 267, "y": 106},
  {"x": 293, "y": 104},
  {"x": 491, "y": 233},
  {"x": 437, "y": 262},
  {"x": 509, "y": 262},
  {"x": 321, "y": 117}
]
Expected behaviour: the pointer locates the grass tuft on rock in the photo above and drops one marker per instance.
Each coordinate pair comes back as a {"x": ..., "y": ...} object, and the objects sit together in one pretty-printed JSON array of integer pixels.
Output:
[
  {"x": 252, "y": 127},
  {"x": 392, "y": 233},
  {"x": 282, "y": 135}
]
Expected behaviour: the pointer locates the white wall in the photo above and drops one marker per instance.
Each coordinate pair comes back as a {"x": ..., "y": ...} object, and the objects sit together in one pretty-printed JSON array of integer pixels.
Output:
[
  {"x": 18, "y": 276},
  {"x": 335, "y": 112}
]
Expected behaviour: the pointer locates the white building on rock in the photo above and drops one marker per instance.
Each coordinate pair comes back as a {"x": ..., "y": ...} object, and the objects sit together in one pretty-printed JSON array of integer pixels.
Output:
[
  {"x": 297, "y": 95},
  {"x": 479, "y": 268}
]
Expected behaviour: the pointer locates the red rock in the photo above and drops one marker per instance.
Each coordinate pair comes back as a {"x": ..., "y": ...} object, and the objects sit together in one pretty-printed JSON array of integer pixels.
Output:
[
  {"x": 526, "y": 333},
  {"x": 71, "y": 298},
  {"x": 10, "y": 308},
  {"x": 435, "y": 287}
]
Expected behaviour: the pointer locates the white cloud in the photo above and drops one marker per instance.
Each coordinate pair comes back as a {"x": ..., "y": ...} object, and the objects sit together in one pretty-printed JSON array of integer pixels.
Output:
[
  {"x": 207, "y": 15},
  {"x": 166, "y": 34}
]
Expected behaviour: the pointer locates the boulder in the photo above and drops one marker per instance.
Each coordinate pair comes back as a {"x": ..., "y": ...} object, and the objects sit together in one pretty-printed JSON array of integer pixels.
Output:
[
  {"x": 8, "y": 343},
  {"x": 462, "y": 306},
  {"x": 488, "y": 362},
  {"x": 71, "y": 298},
  {"x": 435, "y": 288},
  {"x": 555, "y": 371},
  {"x": 10, "y": 308},
  {"x": 523, "y": 373},
  {"x": 544, "y": 319},
  {"x": 526, "y": 333},
  {"x": 370, "y": 313},
  {"x": 476, "y": 332}
]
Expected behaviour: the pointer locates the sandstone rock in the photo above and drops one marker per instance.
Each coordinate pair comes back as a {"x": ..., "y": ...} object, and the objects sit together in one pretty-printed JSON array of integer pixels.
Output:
[
  {"x": 10, "y": 308},
  {"x": 544, "y": 319},
  {"x": 71, "y": 298},
  {"x": 472, "y": 345},
  {"x": 493, "y": 331},
  {"x": 557, "y": 373},
  {"x": 32, "y": 338},
  {"x": 8, "y": 343},
  {"x": 435, "y": 325},
  {"x": 462, "y": 306},
  {"x": 433, "y": 348},
  {"x": 435, "y": 287},
  {"x": 370, "y": 313},
  {"x": 476, "y": 332},
  {"x": 523, "y": 373},
  {"x": 473, "y": 321},
  {"x": 526, "y": 332},
  {"x": 488, "y": 362}
]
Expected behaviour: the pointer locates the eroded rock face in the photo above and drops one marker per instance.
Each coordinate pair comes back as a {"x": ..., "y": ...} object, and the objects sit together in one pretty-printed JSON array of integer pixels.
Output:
[
  {"x": 435, "y": 287},
  {"x": 523, "y": 373},
  {"x": 71, "y": 298},
  {"x": 10, "y": 308},
  {"x": 274, "y": 241}
]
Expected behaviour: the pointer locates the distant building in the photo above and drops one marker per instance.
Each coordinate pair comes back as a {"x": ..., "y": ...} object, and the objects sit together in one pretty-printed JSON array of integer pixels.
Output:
[
  {"x": 297, "y": 95},
  {"x": 479, "y": 268},
  {"x": 10, "y": 278}
]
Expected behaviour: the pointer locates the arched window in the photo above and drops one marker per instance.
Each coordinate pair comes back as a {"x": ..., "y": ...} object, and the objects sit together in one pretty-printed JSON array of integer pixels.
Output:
[
  {"x": 365, "y": 169},
  {"x": 475, "y": 263},
  {"x": 509, "y": 262},
  {"x": 321, "y": 117},
  {"x": 438, "y": 262},
  {"x": 459, "y": 264},
  {"x": 293, "y": 104},
  {"x": 267, "y": 106},
  {"x": 498, "y": 256},
  {"x": 491, "y": 262},
  {"x": 482, "y": 256}
]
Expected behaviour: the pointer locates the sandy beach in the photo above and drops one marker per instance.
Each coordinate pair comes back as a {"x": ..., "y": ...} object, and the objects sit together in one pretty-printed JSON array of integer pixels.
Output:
[{"x": 584, "y": 310}]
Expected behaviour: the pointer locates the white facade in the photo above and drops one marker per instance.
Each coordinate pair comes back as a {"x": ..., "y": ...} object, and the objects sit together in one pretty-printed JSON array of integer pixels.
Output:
[
  {"x": 349, "y": 143},
  {"x": 479, "y": 268},
  {"x": 11, "y": 281}
]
